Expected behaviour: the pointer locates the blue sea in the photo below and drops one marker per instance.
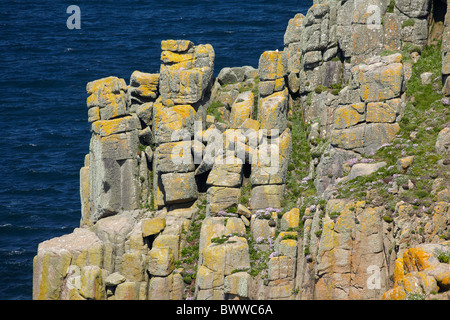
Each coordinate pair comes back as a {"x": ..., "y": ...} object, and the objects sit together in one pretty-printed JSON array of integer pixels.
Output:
[{"x": 44, "y": 133}]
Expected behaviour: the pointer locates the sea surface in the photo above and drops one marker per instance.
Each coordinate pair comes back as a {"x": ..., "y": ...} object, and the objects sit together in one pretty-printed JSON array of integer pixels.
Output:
[{"x": 44, "y": 68}]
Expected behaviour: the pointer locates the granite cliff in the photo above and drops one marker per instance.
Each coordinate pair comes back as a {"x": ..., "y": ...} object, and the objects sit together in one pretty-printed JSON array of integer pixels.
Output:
[{"x": 323, "y": 174}]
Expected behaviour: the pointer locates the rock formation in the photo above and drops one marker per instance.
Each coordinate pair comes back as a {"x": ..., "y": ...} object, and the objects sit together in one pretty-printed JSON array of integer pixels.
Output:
[{"x": 323, "y": 174}]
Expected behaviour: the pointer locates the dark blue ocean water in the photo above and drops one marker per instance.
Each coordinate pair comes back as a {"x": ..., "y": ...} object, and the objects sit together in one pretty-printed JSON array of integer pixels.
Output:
[{"x": 44, "y": 133}]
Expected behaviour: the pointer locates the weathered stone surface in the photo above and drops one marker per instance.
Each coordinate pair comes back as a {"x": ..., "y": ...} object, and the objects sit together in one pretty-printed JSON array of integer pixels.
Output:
[
  {"x": 179, "y": 187},
  {"x": 381, "y": 79},
  {"x": 133, "y": 265},
  {"x": 392, "y": 32},
  {"x": 169, "y": 239},
  {"x": 243, "y": 210},
  {"x": 294, "y": 29},
  {"x": 273, "y": 111},
  {"x": 333, "y": 265},
  {"x": 127, "y": 291},
  {"x": 404, "y": 163},
  {"x": 442, "y": 146},
  {"x": 241, "y": 109},
  {"x": 418, "y": 271},
  {"x": 364, "y": 169},
  {"x": 272, "y": 65},
  {"x": 176, "y": 45},
  {"x": 113, "y": 231},
  {"x": 143, "y": 86},
  {"x": 367, "y": 138},
  {"x": 145, "y": 113},
  {"x": 250, "y": 124},
  {"x": 94, "y": 114},
  {"x": 173, "y": 123},
  {"x": 377, "y": 134},
  {"x": 290, "y": 219},
  {"x": 152, "y": 226},
  {"x": 107, "y": 94},
  {"x": 174, "y": 157},
  {"x": 51, "y": 264},
  {"x": 236, "y": 74},
  {"x": 366, "y": 42},
  {"x": 225, "y": 258},
  {"x": 185, "y": 75},
  {"x": 312, "y": 59},
  {"x": 349, "y": 115},
  {"x": 348, "y": 138},
  {"x": 272, "y": 161},
  {"x": 281, "y": 268},
  {"x": 92, "y": 283},
  {"x": 263, "y": 228},
  {"x": 85, "y": 192},
  {"x": 222, "y": 198},
  {"x": 226, "y": 172},
  {"x": 114, "y": 279},
  {"x": 413, "y": 9},
  {"x": 266, "y": 196},
  {"x": 166, "y": 288},
  {"x": 160, "y": 261},
  {"x": 238, "y": 284},
  {"x": 105, "y": 128},
  {"x": 380, "y": 112},
  {"x": 113, "y": 169}
]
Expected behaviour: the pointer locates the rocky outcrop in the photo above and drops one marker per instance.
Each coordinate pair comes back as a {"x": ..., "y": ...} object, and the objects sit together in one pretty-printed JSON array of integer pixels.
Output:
[
  {"x": 183, "y": 192},
  {"x": 422, "y": 271}
]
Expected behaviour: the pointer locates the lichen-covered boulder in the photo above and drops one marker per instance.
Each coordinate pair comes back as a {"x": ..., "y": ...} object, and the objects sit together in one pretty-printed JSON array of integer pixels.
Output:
[
  {"x": 179, "y": 187},
  {"x": 241, "y": 109},
  {"x": 442, "y": 146},
  {"x": 172, "y": 123},
  {"x": 186, "y": 71},
  {"x": 81, "y": 248},
  {"x": 143, "y": 87},
  {"x": 107, "y": 98},
  {"x": 266, "y": 196},
  {"x": 273, "y": 111}
]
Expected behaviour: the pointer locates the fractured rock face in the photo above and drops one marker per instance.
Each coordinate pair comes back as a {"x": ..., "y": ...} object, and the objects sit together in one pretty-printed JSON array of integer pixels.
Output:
[
  {"x": 266, "y": 196},
  {"x": 221, "y": 199},
  {"x": 381, "y": 80},
  {"x": 173, "y": 123},
  {"x": 51, "y": 264},
  {"x": 241, "y": 109},
  {"x": 186, "y": 71},
  {"x": 143, "y": 87},
  {"x": 179, "y": 187},
  {"x": 113, "y": 165},
  {"x": 107, "y": 98},
  {"x": 271, "y": 168},
  {"x": 443, "y": 142},
  {"x": 413, "y": 9},
  {"x": 273, "y": 111}
]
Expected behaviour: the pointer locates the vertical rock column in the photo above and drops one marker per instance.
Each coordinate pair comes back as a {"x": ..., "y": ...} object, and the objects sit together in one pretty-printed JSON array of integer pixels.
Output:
[
  {"x": 346, "y": 252},
  {"x": 185, "y": 77},
  {"x": 270, "y": 167},
  {"x": 112, "y": 177}
]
